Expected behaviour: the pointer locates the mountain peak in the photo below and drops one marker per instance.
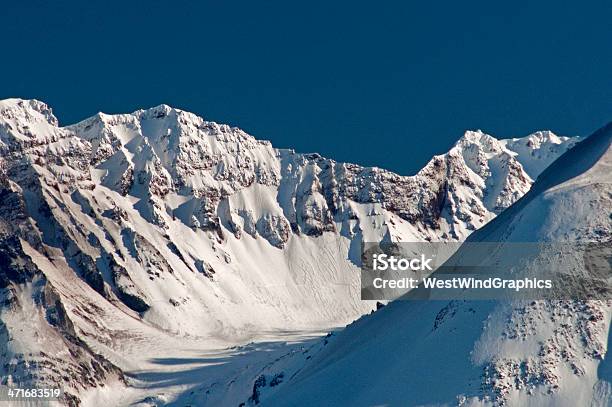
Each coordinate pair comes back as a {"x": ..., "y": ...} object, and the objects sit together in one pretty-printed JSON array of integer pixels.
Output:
[
  {"x": 27, "y": 110},
  {"x": 165, "y": 225},
  {"x": 515, "y": 353},
  {"x": 26, "y": 123}
]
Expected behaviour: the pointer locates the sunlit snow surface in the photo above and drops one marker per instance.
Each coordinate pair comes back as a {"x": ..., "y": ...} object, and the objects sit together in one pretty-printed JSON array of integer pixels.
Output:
[
  {"x": 478, "y": 353},
  {"x": 161, "y": 258}
]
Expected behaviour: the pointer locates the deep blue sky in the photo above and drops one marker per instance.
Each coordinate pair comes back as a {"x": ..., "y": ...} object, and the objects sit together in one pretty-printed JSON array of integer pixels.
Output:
[{"x": 378, "y": 83}]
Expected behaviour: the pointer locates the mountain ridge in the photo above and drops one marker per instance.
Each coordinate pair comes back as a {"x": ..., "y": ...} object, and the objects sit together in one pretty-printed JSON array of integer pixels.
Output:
[
  {"x": 159, "y": 224},
  {"x": 504, "y": 353}
]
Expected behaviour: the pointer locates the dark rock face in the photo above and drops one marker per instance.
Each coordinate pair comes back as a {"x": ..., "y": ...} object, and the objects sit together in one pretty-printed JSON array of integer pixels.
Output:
[
  {"x": 89, "y": 271},
  {"x": 126, "y": 290},
  {"x": 259, "y": 383},
  {"x": 204, "y": 268},
  {"x": 12, "y": 270}
]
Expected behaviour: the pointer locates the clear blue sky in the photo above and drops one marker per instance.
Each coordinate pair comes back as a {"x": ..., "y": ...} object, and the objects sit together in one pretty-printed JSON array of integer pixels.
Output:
[{"x": 378, "y": 83}]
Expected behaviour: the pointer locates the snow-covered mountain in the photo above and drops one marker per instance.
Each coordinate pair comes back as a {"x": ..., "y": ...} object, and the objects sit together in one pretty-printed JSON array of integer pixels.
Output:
[
  {"x": 481, "y": 353},
  {"x": 125, "y": 236}
]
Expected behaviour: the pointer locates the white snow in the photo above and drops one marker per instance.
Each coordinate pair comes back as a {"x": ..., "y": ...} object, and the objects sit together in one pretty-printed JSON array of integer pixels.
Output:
[
  {"x": 230, "y": 241},
  {"x": 483, "y": 352}
]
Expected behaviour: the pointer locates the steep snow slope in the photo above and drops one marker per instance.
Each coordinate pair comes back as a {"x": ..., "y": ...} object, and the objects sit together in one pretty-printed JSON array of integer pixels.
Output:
[
  {"x": 127, "y": 230},
  {"x": 476, "y": 353}
]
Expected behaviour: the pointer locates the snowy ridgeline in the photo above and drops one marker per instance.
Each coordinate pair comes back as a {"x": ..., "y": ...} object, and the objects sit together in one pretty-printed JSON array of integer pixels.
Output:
[
  {"x": 482, "y": 353},
  {"x": 160, "y": 230}
]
